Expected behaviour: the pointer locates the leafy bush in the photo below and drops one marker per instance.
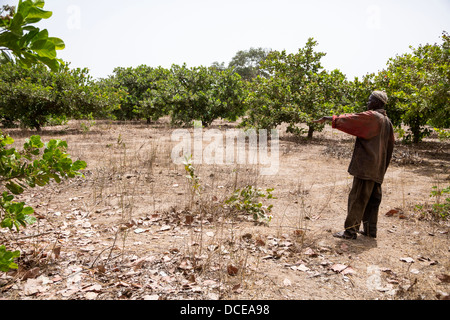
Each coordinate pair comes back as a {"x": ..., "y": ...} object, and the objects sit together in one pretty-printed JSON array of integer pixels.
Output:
[
  {"x": 36, "y": 165},
  {"x": 246, "y": 200},
  {"x": 205, "y": 94},
  {"x": 192, "y": 177},
  {"x": 35, "y": 95},
  {"x": 440, "y": 208},
  {"x": 7, "y": 259},
  {"x": 442, "y": 134},
  {"x": 144, "y": 92},
  {"x": 246, "y": 63},
  {"x": 418, "y": 87}
]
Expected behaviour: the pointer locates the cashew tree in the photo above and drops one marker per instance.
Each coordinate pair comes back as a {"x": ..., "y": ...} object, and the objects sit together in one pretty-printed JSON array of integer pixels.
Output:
[{"x": 36, "y": 163}]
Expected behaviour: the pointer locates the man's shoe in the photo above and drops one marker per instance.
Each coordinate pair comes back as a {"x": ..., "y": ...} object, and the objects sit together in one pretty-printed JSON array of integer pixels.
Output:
[
  {"x": 344, "y": 235},
  {"x": 364, "y": 233}
]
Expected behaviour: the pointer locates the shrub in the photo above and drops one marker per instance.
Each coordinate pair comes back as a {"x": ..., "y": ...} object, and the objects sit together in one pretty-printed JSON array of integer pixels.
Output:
[
  {"x": 34, "y": 95},
  {"x": 205, "y": 94},
  {"x": 440, "y": 208},
  {"x": 246, "y": 200},
  {"x": 36, "y": 165}
]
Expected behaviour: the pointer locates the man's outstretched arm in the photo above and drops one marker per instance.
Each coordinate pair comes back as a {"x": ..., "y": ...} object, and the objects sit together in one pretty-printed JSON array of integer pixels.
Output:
[
  {"x": 364, "y": 124},
  {"x": 323, "y": 119}
]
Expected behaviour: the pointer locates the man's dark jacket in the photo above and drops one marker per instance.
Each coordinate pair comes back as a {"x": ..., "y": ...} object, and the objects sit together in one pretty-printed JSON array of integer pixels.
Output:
[{"x": 374, "y": 143}]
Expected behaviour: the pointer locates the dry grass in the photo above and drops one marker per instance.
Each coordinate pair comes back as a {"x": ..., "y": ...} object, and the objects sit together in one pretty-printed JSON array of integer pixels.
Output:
[{"x": 134, "y": 226}]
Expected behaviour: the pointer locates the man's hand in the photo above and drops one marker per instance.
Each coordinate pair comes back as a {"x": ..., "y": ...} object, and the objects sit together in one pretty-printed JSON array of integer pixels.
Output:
[{"x": 323, "y": 120}]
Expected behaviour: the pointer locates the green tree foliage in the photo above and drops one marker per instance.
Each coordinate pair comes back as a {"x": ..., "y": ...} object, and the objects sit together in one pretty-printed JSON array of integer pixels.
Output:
[
  {"x": 154, "y": 103},
  {"x": 246, "y": 200},
  {"x": 323, "y": 94},
  {"x": 357, "y": 93},
  {"x": 145, "y": 91},
  {"x": 247, "y": 63},
  {"x": 297, "y": 91},
  {"x": 36, "y": 165},
  {"x": 418, "y": 85},
  {"x": 186, "y": 94},
  {"x": 34, "y": 95},
  {"x": 26, "y": 43},
  {"x": 269, "y": 103},
  {"x": 205, "y": 94},
  {"x": 218, "y": 66}
]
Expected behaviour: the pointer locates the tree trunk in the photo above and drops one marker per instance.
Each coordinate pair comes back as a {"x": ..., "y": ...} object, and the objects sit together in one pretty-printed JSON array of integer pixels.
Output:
[
  {"x": 415, "y": 130},
  {"x": 310, "y": 132},
  {"x": 416, "y": 134},
  {"x": 37, "y": 126}
]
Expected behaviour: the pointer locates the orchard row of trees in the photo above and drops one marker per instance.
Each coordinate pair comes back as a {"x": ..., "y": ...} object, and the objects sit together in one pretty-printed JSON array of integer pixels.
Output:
[
  {"x": 186, "y": 94},
  {"x": 262, "y": 87}
]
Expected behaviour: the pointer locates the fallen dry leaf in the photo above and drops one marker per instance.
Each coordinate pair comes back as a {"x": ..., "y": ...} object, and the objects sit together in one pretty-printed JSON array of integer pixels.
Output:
[
  {"x": 348, "y": 270},
  {"x": 210, "y": 283},
  {"x": 56, "y": 252},
  {"x": 310, "y": 252},
  {"x": 151, "y": 297},
  {"x": 122, "y": 284},
  {"x": 300, "y": 267},
  {"x": 391, "y": 212},
  {"x": 101, "y": 268},
  {"x": 430, "y": 262},
  {"x": 92, "y": 287},
  {"x": 31, "y": 274},
  {"x": 299, "y": 233},
  {"x": 237, "y": 288},
  {"x": 247, "y": 236},
  {"x": 337, "y": 267},
  {"x": 444, "y": 278},
  {"x": 91, "y": 295},
  {"x": 191, "y": 278},
  {"x": 34, "y": 286},
  {"x": 189, "y": 219},
  {"x": 232, "y": 270},
  {"x": 185, "y": 265},
  {"x": 260, "y": 242}
]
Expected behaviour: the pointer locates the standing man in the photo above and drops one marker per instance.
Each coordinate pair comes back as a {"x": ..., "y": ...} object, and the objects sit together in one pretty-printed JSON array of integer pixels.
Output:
[{"x": 371, "y": 157}]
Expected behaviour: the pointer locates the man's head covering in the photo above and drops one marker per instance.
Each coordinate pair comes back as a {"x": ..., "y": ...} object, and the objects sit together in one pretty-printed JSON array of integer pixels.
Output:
[{"x": 381, "y": 95}]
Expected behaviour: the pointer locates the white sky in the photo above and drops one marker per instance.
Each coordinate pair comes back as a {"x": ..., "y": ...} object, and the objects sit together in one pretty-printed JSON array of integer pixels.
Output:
[{"x": 359, "y": 36}]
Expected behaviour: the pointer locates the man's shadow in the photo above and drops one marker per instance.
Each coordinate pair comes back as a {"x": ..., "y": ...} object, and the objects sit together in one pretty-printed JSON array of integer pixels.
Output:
[{"x": 356, "y": 246}]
